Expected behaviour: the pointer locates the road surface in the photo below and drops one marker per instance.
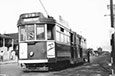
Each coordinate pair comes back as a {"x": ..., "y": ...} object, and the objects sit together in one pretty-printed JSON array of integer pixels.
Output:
[{"x": 92, "y": 69}]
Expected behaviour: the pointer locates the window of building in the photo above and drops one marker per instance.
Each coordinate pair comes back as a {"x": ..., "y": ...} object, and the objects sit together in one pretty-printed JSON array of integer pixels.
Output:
[
  {"x": 1, "y": 41},
  {"x": 8, "y": 42}
]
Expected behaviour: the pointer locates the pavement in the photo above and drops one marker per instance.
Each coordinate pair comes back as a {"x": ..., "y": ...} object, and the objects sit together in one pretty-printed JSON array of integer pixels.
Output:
[{"x": 8, "y": 62}]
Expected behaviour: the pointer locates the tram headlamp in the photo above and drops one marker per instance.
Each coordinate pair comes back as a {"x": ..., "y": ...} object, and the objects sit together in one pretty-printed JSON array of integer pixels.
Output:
[{"x": 31, "y": 54}]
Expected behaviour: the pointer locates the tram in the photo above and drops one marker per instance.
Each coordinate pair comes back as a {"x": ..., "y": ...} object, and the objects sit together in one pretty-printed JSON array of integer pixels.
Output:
[{"x": 43, "y": 42}]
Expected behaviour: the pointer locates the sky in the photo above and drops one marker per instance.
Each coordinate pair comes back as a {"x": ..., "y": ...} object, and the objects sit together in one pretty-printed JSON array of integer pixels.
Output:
[{"x": 86, "y": 17}]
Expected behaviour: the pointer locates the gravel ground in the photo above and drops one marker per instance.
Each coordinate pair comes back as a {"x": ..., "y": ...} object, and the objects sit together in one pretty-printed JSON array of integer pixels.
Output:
[
  {"x": 85, "y": 70},
  {"x": 97, "y": 67}
]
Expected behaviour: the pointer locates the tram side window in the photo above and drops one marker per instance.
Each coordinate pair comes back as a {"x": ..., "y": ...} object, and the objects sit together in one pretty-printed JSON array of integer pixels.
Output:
[
  {"x": 65, "y": 40},
  {"x": 85, "y": 43},
  {"x": 62, "y": 37},
  {"x": 22, "y": 33},
  {"x": 58, "y": 36},
  {"x": 66, "y": 36},
  {"x": 8, "y": 42},
  {"x": 40, "y": 32},
  {"x": 68, "y": 39},
  {"x": 50, "y": 35},
  {"x": 77, "y": 40}
]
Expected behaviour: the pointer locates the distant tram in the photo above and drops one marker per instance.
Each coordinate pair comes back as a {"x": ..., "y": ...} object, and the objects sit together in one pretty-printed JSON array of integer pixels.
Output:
[{"x": 43, "y": 42}]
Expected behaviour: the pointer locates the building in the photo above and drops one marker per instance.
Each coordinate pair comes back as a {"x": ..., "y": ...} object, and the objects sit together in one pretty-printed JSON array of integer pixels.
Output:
[{"x": 8, "y": 46}]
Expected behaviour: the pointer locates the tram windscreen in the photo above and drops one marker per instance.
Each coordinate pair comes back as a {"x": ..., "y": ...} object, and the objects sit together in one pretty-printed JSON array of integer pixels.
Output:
[
  {"x": 22, "y": 33},
  {"x": 30, "y": 32},
  {"x": 40, "y": 34}
]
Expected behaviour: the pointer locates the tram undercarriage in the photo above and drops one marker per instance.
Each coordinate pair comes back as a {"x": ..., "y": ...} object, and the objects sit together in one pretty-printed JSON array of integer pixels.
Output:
[{"x": 49, "y": 66}]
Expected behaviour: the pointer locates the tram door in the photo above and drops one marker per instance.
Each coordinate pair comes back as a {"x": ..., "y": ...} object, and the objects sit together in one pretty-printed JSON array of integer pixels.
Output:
[
  {"x": 81, "y": 48},
  {"x": 72, "y": 45},
  {"x": 75, "y": 46}
]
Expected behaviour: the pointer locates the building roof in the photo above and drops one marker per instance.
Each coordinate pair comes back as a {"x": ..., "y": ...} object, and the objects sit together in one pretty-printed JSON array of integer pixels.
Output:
[
  {"x": 4, "y": 36},
  {"x": 12, "y": 35}
]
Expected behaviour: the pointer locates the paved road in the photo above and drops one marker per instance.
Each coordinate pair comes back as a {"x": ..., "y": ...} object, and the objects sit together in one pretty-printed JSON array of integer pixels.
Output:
[
  {"x": 87, "y": 69},
  {"x": 15, "y": 70}
]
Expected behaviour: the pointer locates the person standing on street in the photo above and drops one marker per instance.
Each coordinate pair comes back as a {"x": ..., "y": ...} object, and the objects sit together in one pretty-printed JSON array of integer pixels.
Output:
[
  {"x": 88, "y": 54},
  {"x": 1, "y": 55}
]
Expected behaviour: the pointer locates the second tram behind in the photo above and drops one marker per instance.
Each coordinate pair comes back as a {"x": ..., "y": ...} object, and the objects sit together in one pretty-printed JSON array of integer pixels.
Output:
[{"x": 43, "y": 41}]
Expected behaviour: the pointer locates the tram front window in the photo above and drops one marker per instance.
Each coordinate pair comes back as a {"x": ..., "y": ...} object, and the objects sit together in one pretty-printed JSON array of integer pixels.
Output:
[
  {"x": 50, "y": 32},
  {"x": 40, "y": 32},
  {"x": 49, "y": 35},
  {"x": 22, "y": 33},
  {"x": 30, "y": 32}
]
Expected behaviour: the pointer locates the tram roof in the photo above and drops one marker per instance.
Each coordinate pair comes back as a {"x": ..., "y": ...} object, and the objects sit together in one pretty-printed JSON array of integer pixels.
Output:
[{"x": 40, "y": 18}]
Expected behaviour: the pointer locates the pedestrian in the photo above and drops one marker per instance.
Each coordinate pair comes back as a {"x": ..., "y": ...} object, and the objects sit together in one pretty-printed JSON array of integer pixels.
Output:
[
  {"x": 1, "y": 55},
  {"x": 88, "y": 54}
]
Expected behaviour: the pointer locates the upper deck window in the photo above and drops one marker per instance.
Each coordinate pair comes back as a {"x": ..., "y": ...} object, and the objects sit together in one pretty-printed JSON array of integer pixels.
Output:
[{"x": 40, "y": 34}]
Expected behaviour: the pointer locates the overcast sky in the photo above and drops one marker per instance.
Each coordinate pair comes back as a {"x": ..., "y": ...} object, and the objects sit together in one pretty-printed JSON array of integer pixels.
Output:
[{"x": 84, "y": 16}]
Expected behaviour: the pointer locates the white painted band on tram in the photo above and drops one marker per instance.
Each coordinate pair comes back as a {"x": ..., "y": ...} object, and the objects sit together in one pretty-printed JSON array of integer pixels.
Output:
[{"x": 33, "y": 61}]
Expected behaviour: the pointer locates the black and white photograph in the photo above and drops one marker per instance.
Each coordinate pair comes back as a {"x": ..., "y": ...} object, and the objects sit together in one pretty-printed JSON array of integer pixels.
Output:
[{"x": 57, "y": 38}]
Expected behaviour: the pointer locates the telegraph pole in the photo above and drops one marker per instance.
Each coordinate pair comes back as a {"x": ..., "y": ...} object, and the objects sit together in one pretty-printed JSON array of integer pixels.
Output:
[{"x": 112, "y": 38}]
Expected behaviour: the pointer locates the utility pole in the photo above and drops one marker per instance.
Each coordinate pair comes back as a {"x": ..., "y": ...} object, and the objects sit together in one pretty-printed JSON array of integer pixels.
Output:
[{"x": 112, "y": 38}]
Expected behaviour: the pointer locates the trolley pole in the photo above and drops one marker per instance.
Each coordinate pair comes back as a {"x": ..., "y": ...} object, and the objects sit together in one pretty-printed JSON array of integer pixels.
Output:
[{"x": 112, "y": 38}]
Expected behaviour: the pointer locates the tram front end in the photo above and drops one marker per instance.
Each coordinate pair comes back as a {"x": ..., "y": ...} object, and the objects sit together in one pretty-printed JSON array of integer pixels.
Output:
[{"x": 36, "y": 41}]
